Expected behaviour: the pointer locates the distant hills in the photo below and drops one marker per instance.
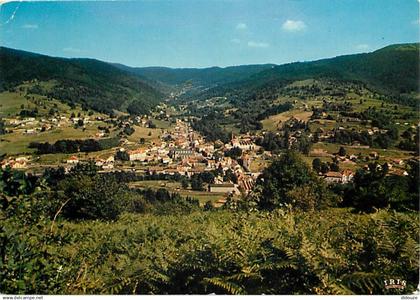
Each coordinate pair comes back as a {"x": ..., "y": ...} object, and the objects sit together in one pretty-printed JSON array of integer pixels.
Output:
[
  {"x": 106, "y": 87},
  {"x": 204, "y": 77},
  {"x": 89, "y": 82},
  {"x": 391, "y": 69}
]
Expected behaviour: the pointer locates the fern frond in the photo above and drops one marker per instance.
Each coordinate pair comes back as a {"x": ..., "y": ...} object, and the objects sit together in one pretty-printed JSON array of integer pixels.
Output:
[{"x": 230, "y": 287}]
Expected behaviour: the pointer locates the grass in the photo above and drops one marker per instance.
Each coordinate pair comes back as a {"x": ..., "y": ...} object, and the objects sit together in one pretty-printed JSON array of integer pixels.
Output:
[
  {"x": 272, "y": 122},
  {"x": 258, "y": 164},
  {"x": 385, "y": 155},
  {"x": 143, "y": 132},
  {"x": 161, "y": 123},
  {"x": 17, "y": 142},
  {"x": 10, "y": 103}
]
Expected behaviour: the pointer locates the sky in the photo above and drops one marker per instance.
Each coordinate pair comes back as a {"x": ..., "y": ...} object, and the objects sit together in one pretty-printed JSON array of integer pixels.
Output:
[{"x": 203, "y": 33}]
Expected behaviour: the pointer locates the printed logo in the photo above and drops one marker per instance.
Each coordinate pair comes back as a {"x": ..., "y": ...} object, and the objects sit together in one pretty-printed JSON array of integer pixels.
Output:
[{"x": 395, "y": 284}]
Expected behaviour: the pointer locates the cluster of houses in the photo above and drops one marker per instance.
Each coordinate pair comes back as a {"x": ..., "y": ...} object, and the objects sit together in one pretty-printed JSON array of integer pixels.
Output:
[
  {"x": 15, "y": 163},
  {"x": 104, "y": 164},
  {"x": 342, "y": 177},
  {"x": 181, "y": 150},
  {"x": 31, "y": 125},
  {"x": 185, "y": 152}
]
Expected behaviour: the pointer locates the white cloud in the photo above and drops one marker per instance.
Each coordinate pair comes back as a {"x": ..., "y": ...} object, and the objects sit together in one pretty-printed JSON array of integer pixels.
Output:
[
  {"x": 293, "y": 25},
  {"x": 363, "y": 47},
  {"x": 236, "y": 41},
  {"x": 241, "y": 26},
  {"x": 30, "y": 26},
  {"x": 71, "y": 50},
  {"x": 253, "y": 44}
]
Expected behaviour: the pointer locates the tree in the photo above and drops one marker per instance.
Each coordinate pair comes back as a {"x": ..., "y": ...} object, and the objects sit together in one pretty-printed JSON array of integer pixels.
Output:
[
  {"x": 304, "y": 145},
  {"x": 334, "y": 167},
  {"x": 303, "y": 197},
  {"x": 122, "y": 155},
  {"x": 315, "y": 138},
  {"x": 283, "y": 177},
  {"x": 324, "y": 167},
  {"x": 316, "y": 165},
  {"x": 368, "y": 190},
  {"x": 128, "y": 130},
  {"x": 93, "y": 197},
  {"x": 230, "y": 176},
  {"x": 2, "y": 127},
  {"x": 208, "y": 206},
  {"x": 196, "y": 182},
  {"x": 184, "y": 183},
  {"x": 207, "y": 177},
  {"x": 342, "y": 151},
  {"x": 234, "y": 153}
]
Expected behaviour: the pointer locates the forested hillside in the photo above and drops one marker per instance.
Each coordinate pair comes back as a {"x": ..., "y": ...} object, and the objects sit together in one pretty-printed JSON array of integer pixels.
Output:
[
  {"x": 90, "y": 82},
  {"x": 204, "y": 77},
  {"x": 391, "y": 70}
]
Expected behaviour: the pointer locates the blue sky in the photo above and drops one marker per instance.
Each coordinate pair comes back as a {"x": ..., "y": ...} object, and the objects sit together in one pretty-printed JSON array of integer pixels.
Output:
[{"x": 198, "y": 33}]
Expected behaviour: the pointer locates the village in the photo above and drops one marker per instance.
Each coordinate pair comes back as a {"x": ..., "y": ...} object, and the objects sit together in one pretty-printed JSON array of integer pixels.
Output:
[
  {"x": 180, "y": 150},
  {"x": 41, "y": 133}
]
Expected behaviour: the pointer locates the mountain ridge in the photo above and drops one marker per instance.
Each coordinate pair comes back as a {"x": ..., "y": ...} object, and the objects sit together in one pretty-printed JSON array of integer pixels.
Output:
[
  {"x": 90, "y": 82},
  {"x": 110, "y": 86}
]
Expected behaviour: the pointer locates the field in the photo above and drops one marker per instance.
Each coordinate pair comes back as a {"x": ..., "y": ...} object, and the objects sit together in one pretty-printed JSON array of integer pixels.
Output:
[
  {"x": 271, "y": 123},
  {"x": 149, "y": 134},
  {"x": 258, "y": 164},
  {"x": 202, "y": 196},
  {"x": 385, "y": 155},
  {"x": 10, "y": 103},
  {"x": 18, "y": 141}
]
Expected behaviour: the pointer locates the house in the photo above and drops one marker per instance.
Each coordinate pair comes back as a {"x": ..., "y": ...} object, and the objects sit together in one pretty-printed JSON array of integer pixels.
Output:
[
  {"x": 108, "y": 166},
  {"x": 18, "y": 163},
  {"x": 398, "y": 172},
  {"x": 181, "y": 153},
  {"x": 333, "y": 177},
  {"x": 336, "y": 177},
  {"x": 139, "y": 154},
  {"x": 99, "y": 162},
  {"x": 353, "y": 157},
  {"x": 73, "y": 160},
  {"x": 222, "y": 188},
  {"x": 244, "y": 144},
  {"x": 246, "y": 161},
  {"x": 389, "y": 165},
  {"x": 99, "y": 134},
  {"x": 347, "y": 176},
  {"x": 246, "y": 184},
  {"x": 211, "y": 164},
  {"x": 398, "y": 162},
  {"x": 166, "y": 159}
]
